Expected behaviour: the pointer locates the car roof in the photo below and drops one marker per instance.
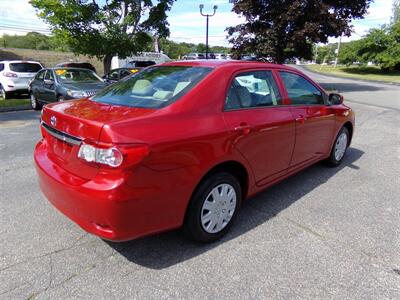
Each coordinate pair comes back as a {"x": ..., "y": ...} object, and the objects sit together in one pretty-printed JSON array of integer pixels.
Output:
[
  {"x": 67, "y": 68},
  {"x": 211, "y": 63},
  {"x": 73, "y": 62},
  {"x": 20, "y": 61}
]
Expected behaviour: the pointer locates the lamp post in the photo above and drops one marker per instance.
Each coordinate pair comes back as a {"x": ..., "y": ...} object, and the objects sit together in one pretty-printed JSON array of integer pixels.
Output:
[{"x": 201, "y": 6}]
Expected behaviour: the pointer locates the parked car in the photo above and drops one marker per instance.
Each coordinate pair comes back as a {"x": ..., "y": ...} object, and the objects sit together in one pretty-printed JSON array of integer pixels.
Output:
[
  {"x": 59, "y": 84},
  {"x": 139, "y": 64},
  {"x": 184, "y": 143},
  {"x": 192, "y": 56},
  {"x": 15, "y": 76},
  {"x": 117, "y": 74},
  {"x": 141, "y": 60},
  {"x": 220, "y": 56},
  {"x": 82, "y": 65}
]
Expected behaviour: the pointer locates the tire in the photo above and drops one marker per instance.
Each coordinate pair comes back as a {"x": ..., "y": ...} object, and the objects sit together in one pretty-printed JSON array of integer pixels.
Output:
[
  {"x": 35, "y": 103},
  {"x": 208, "y": 219},
  {"x": 3, "y": 94},
  {"x": 339, "y": 148}
]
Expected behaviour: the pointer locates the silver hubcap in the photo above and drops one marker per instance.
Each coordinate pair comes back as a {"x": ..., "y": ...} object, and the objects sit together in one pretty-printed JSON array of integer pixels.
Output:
[
  {"x": 33, "y": 101},
  {"x": 3, "y": 93},
  {"x": 218, "y": 208},
  {"x": 341, "y": 145}
]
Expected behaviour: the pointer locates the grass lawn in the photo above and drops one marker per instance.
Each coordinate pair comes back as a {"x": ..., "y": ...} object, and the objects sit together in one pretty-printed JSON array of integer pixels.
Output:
[
  {"x": 15, "y": 101},
  {"x": 358, "y": 72}
]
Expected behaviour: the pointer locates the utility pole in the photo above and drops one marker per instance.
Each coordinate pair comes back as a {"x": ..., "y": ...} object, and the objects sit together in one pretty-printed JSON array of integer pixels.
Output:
[
  {"x": 201, "y": 6},
  {"x": 337, "y": 51}
]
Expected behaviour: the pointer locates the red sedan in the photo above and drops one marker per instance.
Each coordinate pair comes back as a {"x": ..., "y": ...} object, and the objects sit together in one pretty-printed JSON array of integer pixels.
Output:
[{"x": 183, "y": 144}]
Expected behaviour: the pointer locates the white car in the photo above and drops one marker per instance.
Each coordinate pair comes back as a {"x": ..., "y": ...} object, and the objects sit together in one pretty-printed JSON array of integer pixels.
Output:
[
  {"x": 220, "y": 56},
  {"x": 15, "y": 76}
]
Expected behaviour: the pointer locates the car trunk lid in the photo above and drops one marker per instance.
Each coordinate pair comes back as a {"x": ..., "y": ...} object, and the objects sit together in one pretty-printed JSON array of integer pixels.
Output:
[{"x": 67, "y": 124}]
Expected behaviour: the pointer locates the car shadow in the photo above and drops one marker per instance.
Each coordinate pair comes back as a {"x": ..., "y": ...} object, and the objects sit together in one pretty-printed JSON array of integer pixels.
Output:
[{"x": 170, "y": 248}]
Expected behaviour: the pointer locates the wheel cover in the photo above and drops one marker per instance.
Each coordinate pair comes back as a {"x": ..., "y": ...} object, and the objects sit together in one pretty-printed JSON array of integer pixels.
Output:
[
  {"x": 340, "y": 146},
  {"x": 218, "y": 208},
  {"x": 33, "y": 101},
  {"x": 3, "y": 93}
]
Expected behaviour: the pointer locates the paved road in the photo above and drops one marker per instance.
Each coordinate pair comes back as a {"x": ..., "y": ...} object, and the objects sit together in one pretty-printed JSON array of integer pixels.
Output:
[
  {"x": 323, "y": 233},
  {"x": 372, "y": 93}
]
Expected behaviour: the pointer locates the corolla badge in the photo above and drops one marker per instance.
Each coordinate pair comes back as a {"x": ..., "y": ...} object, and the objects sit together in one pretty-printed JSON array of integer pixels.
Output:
[{"x": 53, "y": 121}]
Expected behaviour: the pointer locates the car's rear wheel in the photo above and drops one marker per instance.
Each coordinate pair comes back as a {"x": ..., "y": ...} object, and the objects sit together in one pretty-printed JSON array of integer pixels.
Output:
[
  {"x": 339, "y": 147},
  {"x": 213, "y": 207},
  {"x": 34, "y": 103},
  {"x": 3, "y": 94}
]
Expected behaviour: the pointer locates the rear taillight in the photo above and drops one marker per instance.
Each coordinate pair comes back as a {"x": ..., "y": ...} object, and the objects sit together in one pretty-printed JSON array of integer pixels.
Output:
[
  {"x": 113, "y": 156},
  {"x": 10, "y": 74}
]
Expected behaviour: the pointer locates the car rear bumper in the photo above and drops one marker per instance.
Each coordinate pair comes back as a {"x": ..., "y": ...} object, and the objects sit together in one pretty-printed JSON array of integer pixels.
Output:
[
  {"x": 107, "y": 207},
  {"x": 11, "y": 86}
]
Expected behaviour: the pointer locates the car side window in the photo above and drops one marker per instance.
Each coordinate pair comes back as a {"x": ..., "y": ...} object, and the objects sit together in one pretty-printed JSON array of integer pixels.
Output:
[
  {"x": 253, "y": 89},
  {"x": 49, "y": 75},
  {"x": 1, "y": 67},
  {"x": 113, "y": 75},
  {"x": 125, "y": 73},
  {"x": 40, "y": 75},
  {"x": 300, "y": 90}
]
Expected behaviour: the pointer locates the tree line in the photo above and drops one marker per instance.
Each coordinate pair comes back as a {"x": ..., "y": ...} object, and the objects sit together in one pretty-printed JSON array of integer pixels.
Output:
[
  {"x": 380, "y": 46},
  {"x": 38, "y": 41}
]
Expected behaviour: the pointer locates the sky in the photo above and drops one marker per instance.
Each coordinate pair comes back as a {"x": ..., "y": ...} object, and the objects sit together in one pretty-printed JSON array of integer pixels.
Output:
[{"x": 186, "y": 23}]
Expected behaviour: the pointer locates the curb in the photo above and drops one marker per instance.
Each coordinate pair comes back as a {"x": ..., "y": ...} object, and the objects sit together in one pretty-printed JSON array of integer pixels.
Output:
[
  {"x": 15, "y": 108},
  {"x": 351, "y": 78}
]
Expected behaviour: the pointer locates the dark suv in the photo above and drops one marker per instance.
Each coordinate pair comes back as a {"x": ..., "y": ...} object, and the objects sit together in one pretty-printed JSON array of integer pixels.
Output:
[{"x": 59, "y": 84}]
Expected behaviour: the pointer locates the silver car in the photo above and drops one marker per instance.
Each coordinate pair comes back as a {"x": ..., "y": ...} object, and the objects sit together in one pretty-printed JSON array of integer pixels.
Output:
[{"x": 15, "y": 76}]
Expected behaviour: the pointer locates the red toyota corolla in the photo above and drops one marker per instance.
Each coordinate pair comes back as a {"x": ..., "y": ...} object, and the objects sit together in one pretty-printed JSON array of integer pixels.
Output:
[{"x": 184, "y": 143}]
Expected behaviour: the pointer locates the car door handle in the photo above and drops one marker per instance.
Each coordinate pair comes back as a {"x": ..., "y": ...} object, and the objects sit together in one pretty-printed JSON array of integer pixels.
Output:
[
  {"x": 301, "y": 119},
  {"x": 244, "y": 128}
]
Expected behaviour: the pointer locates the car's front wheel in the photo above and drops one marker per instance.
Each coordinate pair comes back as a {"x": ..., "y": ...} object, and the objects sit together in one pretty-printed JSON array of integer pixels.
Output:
[
  {"x": 34, "y": 103},
  {"x": 339, "y": 147},
  {"x": 213, "y": 207}
]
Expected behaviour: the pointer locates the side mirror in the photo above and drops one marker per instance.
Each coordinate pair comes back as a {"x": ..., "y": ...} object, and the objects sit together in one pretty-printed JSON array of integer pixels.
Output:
[
  {"x": 48, "y": 81},
  {"x": 335, "y": 99}
]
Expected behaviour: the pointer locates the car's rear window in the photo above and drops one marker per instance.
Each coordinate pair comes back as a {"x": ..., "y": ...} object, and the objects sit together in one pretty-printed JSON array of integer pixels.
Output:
[
  {"x": 155, "y": 87},
  {"x": 25, "y": 67}
]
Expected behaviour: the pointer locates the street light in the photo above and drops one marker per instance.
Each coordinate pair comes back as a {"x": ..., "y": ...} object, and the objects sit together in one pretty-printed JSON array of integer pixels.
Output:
[{"x": 201, "y": 6}]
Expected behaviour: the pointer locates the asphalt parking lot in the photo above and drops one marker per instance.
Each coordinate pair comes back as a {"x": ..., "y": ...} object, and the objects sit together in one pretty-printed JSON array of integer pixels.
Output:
[{"x": 323, "y": 233}]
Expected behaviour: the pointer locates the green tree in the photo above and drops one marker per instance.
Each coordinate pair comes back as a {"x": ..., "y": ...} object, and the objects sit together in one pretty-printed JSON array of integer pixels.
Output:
[
  {"x": 374, "y": 43},
  {"x": 220, "y": 49},
  {"x": 174, "y": 50},
  {"x": 389, "y": 59},
  {"x": 117, "y": 27},
  {"x": 284, "y": 29},
  {"x": 325, "y": 53},
  {"x": 349, "y": 52},
  {"x": 200, "y": 48},
  {"x": 32, "y": 40}
]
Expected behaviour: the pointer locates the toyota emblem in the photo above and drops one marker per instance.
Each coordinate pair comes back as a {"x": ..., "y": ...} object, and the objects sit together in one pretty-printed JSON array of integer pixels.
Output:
[{"x": 53, "y": 121}]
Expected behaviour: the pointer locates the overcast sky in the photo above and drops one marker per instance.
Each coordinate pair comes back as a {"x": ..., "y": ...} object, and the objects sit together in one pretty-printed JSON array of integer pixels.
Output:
[{"x": 186, "y": 23}]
